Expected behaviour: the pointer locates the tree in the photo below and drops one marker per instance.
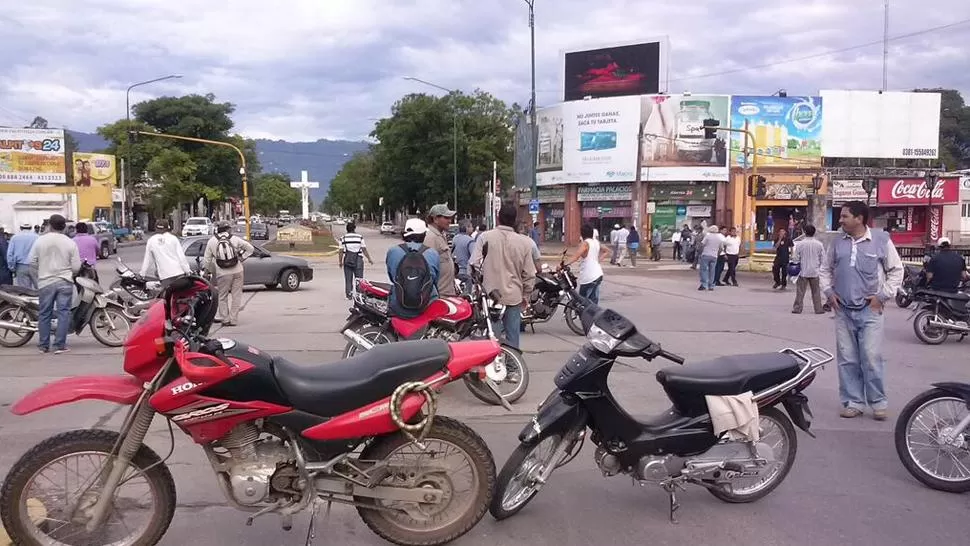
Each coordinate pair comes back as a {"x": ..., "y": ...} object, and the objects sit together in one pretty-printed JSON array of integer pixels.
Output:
[
  {"x": 354, "y": 185},
  {"x": 272, "y": 193},
  {"x": 38, "y": 123},
  {"x": 174, "y": 174}
]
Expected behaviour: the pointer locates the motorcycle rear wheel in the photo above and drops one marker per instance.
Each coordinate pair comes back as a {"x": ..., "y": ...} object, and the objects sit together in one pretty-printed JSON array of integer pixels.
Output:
[
  {"x": 10, "y": 338},
  {"x": 926, "y": 333},
  {"x": 904, "y": 425},
  {"x": 374, "y": 334},
  {"x": 446, "y": 431},
  {"x": 19, "y": 512},
  {"x": 513, "y": 361}
]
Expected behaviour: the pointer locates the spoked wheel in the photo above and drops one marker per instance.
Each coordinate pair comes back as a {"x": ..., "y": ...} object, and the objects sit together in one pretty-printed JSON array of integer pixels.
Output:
[
  {"x": 48, "y": 494},
  {"x": 375, "y": 335},
  {"x": 526, "y": 471},
  {"x": 903, "y": 300},
  {"x": 927, "y": 333},
  {"x": 573, "y": 321},
  {"x": 456, "y": 461},
  {"x": 110, "y": 326},
  {"x": 13, "y": 338},
  {"x": 927, "y": 444},
  {"x": 778, "y": 445},
  {"x": 512, "y": 387}
]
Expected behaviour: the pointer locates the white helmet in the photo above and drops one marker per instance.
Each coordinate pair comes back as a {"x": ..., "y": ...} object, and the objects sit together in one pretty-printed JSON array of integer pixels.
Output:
[
  {"x": 942, "y": 240},
  {"x": 415, "y": 226}
]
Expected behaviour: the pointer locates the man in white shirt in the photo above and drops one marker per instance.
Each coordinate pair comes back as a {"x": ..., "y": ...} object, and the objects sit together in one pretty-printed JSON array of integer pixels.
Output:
[
  {"x": 732, "y": 250},
  {"x": 621, "y": 236},
  {"x": 164, "y": 255},
  {"x": 675, "y": 238},
  {"x": 614, "y": 244}
]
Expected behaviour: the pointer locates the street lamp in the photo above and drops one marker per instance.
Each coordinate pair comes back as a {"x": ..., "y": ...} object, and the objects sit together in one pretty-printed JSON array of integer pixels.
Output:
[
  {"x": 535, "y": 129},
  {"x": 454, "y": 159},
  {"x": 817, "y": 182},
  {"x": 930, "y": 178},
  {"x": 869, "y": 185},
  {"x": 128, "y": 133}
]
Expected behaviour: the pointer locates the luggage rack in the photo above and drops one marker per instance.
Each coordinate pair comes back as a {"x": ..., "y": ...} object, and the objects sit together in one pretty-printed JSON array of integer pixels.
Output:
[
  {"x": 373, "y": 303},
  {"x": 811, "y": 356}
]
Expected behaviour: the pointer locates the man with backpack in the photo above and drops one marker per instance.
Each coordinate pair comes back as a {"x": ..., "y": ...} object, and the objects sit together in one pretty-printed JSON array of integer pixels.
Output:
[
  {"x": 224, "y": 255},
  {"x": 413, "y": 270}
]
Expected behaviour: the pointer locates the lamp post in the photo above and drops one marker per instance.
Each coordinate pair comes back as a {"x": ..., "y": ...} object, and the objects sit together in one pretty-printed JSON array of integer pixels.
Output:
[
  {"x": 454, "y": 159},
  {"x": 817, "y": 182},
  {"x": 124, "y": 195},
  {"x": 930, "y": 178},
  {"x": 869, "y": 185},
  {"x": 532, "y": 114}
]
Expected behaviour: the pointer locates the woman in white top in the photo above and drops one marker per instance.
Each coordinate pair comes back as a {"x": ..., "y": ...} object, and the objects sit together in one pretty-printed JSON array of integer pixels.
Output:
[{"x": 589, "y": 255}]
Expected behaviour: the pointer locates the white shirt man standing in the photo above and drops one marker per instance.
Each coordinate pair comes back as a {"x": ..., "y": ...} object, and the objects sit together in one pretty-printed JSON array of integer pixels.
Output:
[
  {"x": 224, "y": 255},
  {"x": 622, "y": 235},
  {"x": 164, "y": 255}
]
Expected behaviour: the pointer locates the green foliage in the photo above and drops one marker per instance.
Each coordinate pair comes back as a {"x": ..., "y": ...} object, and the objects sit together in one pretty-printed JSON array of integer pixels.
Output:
[
  {"x": 272, "y": 193},
  {"x": 411, "y": 166}
]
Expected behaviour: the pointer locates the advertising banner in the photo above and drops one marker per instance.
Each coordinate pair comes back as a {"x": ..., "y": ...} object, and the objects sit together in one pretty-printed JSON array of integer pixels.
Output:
[
  {"x": 704, "y": 191},
  {"x": 787, "y": 130},
  {"x": 615, "y": 70},
  {"x": 94, "y": 170},
  {"x": 600, "y": 139},
  {"x": 674, "y": 147},
  {"x": 550, "y": 153},
  {"x": 912, "y": 191},
  {"x": 848, "y": 190},
  {"x": 32, "y": 156},
  {"x": 885, "y": 125},
  {"x": 605, "y": 192},
  {"x": 785, "y": 192}
]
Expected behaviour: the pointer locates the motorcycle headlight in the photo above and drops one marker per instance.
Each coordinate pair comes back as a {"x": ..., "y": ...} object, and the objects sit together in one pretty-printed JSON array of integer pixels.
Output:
[{"x": 600, "y": 340}]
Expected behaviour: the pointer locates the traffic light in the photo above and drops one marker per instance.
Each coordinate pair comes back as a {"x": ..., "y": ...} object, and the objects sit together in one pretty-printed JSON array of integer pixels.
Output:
[
  {"x": 710, "y": 128},
  {"x": 757, "y": 186},
  {"x": 133, "y": 136}
]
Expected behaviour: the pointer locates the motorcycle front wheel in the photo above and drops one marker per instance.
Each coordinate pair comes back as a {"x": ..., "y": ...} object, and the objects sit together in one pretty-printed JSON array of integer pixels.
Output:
[
  {"x": 371, "y": 333},
  {"x": 903, "y": 300},
  {"x": 110, "y": 326},
  {"x": 13, "y": 338},
  {"x": 924, "y": 443},
  {"x": 32, "y": 517},
  {"x": 512, "y": 388},
  {"x": 524, "y": 474},
  {"x": 573, "y": 320},
  {"x": 928, "y": 334}
]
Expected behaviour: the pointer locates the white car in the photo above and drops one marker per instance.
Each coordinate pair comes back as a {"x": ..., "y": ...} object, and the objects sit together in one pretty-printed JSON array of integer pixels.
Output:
[
  {"x": 387, "y": 228},
  {"x": 197, "y": 225},
  {"x": 340, "y": 221}
]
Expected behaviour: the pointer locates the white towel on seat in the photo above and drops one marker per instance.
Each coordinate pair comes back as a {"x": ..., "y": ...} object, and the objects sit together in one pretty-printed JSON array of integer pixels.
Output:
[{"x": 737, "y": 415}]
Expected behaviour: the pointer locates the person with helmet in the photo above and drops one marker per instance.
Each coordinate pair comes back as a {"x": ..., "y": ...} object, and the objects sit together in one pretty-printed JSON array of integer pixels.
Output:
[
  {"x": 223, "y": 257},
  {"x": 947, "y": 269},
  {"x": 413, "y": 269},
  {"x": 18, "y": 256}
]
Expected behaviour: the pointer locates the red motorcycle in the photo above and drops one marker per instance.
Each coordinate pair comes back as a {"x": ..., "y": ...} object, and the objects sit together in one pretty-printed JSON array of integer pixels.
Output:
[
  {"x": 282, "y": 438},
  {"x": 449, "y": 318}
]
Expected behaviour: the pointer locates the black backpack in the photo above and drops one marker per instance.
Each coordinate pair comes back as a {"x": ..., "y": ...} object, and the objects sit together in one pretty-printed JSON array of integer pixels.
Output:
[
  {"x": 226, "y": 255},
  {"x": 413, "y": 283}
]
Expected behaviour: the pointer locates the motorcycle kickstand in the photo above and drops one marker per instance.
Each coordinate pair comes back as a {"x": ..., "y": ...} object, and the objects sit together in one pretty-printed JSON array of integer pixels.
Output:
[
  {"x": 311, "y": 529},
  {"x": 671, "y": 489}
]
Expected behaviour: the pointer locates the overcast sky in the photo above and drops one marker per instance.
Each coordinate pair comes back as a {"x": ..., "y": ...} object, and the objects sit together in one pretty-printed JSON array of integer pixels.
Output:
[{"x": 309, "y": 69}]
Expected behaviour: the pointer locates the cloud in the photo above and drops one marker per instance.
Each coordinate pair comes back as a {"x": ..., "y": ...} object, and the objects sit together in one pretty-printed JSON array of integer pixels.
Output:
[{"x": 305, "y": 69}]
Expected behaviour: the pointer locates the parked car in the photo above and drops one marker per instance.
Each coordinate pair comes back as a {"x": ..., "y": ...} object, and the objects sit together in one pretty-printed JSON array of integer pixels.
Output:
[
  {"x": 119, "y": 232},
  {"x": 258, "y": 231},
  {"x": 387, "y": 228},
  {"x": 340, "y": 221},
  {"x": 197, "y": 225},
  {"x": 107, "y": 243},
  {"x": 265, "y": 268}
]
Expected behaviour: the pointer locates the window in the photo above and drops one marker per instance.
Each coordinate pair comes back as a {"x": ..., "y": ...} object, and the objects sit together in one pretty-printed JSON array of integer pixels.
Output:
[
  {"x": 195, "y": 249},
  {"x": 965, "y": 210}
]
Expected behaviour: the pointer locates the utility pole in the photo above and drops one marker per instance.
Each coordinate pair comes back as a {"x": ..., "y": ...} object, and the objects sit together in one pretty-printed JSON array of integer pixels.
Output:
[
  {"x": 534, "y": 126},
  {"x": 885, "y": 46}
]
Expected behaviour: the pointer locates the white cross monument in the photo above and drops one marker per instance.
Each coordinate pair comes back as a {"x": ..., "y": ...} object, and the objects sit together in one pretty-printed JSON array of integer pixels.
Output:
[{"x": 304, "y": 185}]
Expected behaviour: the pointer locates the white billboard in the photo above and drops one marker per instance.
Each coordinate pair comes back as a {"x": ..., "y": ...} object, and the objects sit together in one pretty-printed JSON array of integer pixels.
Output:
[
  {"x": 32, "y": 156},
  {"x": 885, "y": 125},
  {"x": 600, "y": 139}
]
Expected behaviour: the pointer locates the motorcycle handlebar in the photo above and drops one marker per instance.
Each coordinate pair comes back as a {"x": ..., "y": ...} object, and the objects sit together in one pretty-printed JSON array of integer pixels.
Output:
[{"x": 677, "y": 359}]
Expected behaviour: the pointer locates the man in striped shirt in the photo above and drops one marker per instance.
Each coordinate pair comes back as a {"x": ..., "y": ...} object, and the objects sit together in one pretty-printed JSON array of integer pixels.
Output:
[{"x": 352, "y": 246}]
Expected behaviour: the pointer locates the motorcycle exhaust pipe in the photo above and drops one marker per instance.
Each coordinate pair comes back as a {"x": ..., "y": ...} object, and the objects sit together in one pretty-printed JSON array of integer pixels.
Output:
[
  {"x": 18, "y": 327},
  {"x": 358, "y": 339},
  {"x": 962, "y": 328}
]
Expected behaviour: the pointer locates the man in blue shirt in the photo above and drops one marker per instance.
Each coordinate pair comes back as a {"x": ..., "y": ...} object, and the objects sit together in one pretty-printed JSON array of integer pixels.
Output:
[
  {"x": 18, "y": 257},
  {"x": 464, "y": 245},
  {"x": 414, "y": 232}
]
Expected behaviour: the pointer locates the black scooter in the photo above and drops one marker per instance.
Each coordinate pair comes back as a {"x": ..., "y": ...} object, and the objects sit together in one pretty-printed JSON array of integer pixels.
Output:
[{"x": 676, "y": 447}]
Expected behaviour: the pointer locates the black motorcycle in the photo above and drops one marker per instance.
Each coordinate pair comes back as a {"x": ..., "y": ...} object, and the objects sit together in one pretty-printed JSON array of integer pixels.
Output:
[
  {"x": 552, "y": 290},
  {"x": 933, "y": 437},
  {"x": 134, "y": 292},
  {"x": 914, "y": 278},
  {"x": 674, "y": 448},
  {"x": 939, "y": 314}
]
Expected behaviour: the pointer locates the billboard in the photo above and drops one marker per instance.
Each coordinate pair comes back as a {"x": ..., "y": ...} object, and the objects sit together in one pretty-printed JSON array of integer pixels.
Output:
[
  {"x": 912, "y": 191},
  {"x": 787, "y": 130},
  {"x": 843, "y": 191},
  {"x": 615, "y": 70},
  {"x": 674, "y": 147},
  {"x": 32, "y": 156},
  {"x": 94, "y": 170},
  {"x": 549, "y": 160},
  {"x": 600, "y": 139},
  {"x": 885, "y": 125}
]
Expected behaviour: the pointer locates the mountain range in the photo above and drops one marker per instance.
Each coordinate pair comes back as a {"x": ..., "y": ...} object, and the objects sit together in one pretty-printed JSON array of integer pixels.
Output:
[{"x": 321, "y": 159}]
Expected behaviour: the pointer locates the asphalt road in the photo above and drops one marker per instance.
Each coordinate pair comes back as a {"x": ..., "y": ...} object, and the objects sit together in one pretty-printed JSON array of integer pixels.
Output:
[{"x": 847, "y": 486}]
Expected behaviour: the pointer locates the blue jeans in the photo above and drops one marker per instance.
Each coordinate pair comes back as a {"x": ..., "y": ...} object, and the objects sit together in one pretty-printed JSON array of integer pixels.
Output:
[
  {"x": 858, "y": 337},
  {"x": 61, "y": 295},
  {"x": 511, "y": 324},
  {"x": 706, "y": 265},
  {"x": 24, "y": 277},
  {"x": 591, "y": 290}
]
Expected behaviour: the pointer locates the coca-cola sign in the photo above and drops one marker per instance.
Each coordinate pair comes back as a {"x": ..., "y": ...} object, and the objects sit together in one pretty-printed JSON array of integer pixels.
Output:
[{"x": 913, "y": 191}]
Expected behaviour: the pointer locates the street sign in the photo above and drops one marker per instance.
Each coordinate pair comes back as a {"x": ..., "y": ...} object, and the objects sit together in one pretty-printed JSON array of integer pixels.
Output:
[{"x": 534, "y": 206}]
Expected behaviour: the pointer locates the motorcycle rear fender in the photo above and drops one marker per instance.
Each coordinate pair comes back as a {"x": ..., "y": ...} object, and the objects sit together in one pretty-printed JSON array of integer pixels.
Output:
[
  {"x": 956, "y": 389},
  {"x": 554, "y": 417},
  {"x": 120, "y": 389},
  {"x": 798, "y": 411}
]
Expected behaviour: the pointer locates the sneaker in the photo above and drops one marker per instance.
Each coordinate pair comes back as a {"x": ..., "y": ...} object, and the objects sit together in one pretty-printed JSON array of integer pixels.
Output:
[
  {"x": 880, "y": 414},
  {"x": 850, "y": 413},
  {"x": 701, "y": 287},
  {"x": 794, "y": 312},
  {"x": 43, "y": 350},
  {"x": 62, "y": 351}
]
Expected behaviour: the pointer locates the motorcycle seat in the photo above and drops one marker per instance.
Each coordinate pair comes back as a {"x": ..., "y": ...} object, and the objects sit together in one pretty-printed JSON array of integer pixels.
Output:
[
  {"x": 729, "y": 375},
  {"x": 374, "y": 288},
  {"x": 958, "y": 296},
  {"x": 19, "y": 290},
  {"x": 328, "y": 390}
]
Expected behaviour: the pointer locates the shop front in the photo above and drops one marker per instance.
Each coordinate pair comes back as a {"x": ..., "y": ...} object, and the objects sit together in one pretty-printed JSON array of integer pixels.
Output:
[
  {"x": 907, "y": 210},
  {"x": 784, "y": 205},
  {"x": 606, "y": 205},
  {"x": 552, "y": 211},
  {"x": 678, "y": 203},
  {"x": 841, "y": 192}
]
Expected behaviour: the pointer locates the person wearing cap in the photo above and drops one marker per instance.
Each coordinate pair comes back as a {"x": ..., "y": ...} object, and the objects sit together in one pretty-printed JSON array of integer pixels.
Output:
[
  {"x": 415, "y": 232},
  {"x": 947, "y": 269},
  {"x": 439, "y": 218},
  {"x": 352, "y": 246},
  {"x": 615, "y": 243},
  {"x": 55, "y": 258},
  {"x": 6, "y": 276},
  {"x": 229, "y": 280},
  {"x": 18, "y": 256},
  {"x": 164, "y": 255}
]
